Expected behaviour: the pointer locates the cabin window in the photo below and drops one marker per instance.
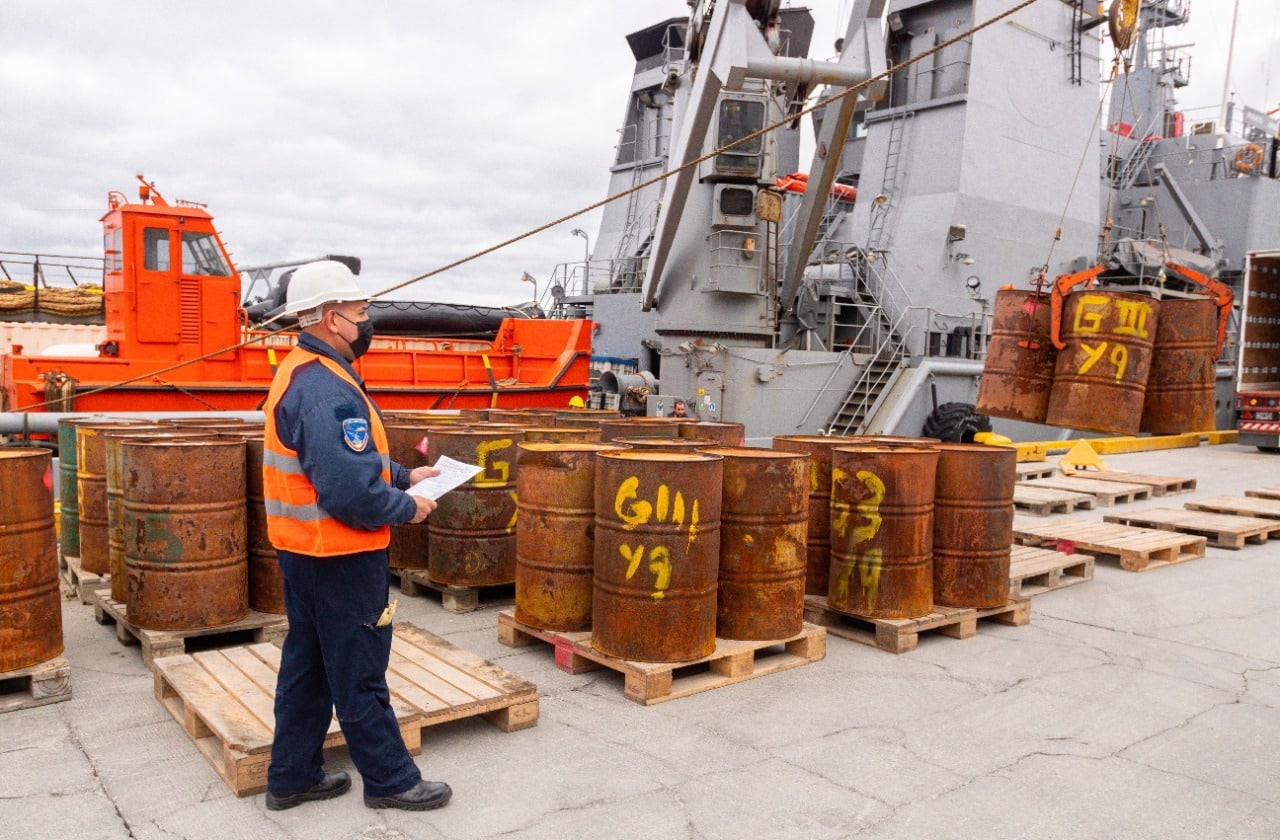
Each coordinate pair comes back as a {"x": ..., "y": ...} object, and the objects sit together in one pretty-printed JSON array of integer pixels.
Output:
[
  {"x": 112, "y": 245},
  {"x": 200, "y": 256},
  {"x": 738, "y": 118},
  {"x": 155, "y": 249}
]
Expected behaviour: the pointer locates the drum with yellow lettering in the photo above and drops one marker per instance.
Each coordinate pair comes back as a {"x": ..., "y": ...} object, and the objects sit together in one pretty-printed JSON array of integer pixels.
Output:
[{"x": 657, "y": 554}]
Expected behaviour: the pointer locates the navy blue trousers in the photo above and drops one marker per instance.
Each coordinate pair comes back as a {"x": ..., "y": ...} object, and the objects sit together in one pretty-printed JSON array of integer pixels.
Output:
[{"x": 335, "y": 658}]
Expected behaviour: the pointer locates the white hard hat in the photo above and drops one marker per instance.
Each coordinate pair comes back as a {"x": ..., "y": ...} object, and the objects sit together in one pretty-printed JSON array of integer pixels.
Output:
[{"x": 320, "y": 282}]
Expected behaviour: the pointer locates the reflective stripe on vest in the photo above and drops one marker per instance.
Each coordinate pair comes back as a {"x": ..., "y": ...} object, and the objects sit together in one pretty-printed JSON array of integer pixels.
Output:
[{"x": 295, "y": 520}]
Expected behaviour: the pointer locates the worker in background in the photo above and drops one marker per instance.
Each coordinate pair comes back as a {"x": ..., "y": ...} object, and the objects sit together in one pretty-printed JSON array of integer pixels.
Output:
[
  {"x": 332, "y": 493},
  {"x": 678, "y": 409}
]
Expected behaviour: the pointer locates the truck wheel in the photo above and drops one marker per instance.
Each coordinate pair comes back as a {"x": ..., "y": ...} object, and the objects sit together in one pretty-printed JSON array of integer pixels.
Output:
[{"x": 955, "y": 423}]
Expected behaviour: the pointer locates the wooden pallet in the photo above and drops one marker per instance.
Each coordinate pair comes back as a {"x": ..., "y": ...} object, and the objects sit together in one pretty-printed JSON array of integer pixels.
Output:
[
  {"x": 1138, "y": 549},
  {"x": 656, "y": 682},
  {"x": 1035, "y": 571},
  {"x": 1105, "y": 493},
  {"x": 1030, "y": 470},
  {"x": 1160, "y": 485},
  {"x": 35, "y": 685},
  {"x": 1042, "y": 501},
  {"x": 82, "y": 583},
  {"x": 902, "y": 635},
  {"x": 256, "y": 626},
  {"x": 455, "y": 599},
  {"x": 224, "y": 699},
  {"x": 1264, "y": 493},
  {"x": 1224, "y": 530},
  {"x": 1239, "y": 506}
]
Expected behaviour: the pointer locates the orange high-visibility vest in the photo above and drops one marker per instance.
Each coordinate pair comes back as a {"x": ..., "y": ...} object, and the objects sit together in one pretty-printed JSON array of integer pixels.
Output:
[{"x": 295, "y": 521}]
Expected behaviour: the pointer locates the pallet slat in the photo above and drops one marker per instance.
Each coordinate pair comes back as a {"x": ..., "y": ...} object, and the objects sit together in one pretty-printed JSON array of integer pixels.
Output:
[
  {"x": 224, "y": 698},
  {"x": 1264, "y": 493},
  {"x": 1035, "y": 571},
  {"x": 903, "y": 635},
  {"x": 647, "y": 683},
  {"x": 1225, "y": 530},
  {"x": 35, "y": 685},
  {"x": 1138, "y": 549}
]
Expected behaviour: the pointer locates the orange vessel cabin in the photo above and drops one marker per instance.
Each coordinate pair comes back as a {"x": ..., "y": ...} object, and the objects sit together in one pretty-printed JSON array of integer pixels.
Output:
[{"x": 178, "y": 338}]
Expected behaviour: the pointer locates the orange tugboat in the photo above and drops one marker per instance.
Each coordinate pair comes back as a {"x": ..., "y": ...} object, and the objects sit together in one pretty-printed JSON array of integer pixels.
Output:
[{"x": 179, "y": 339}]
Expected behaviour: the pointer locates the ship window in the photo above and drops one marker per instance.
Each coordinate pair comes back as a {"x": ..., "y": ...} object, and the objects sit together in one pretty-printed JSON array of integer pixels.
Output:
[
  {"x": 739, "y": 118},
  {"x": 737, "y": 202},
  {"x": 112, "y": 244},
  {"x": 200, "y": 256},
  {"x": 155, "y": 249}
]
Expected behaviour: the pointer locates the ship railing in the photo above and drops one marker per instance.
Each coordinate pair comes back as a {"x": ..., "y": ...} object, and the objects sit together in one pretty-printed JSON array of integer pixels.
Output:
[
  {"x": 268, "y": 338},
  {"x": 50, "y": 270}
]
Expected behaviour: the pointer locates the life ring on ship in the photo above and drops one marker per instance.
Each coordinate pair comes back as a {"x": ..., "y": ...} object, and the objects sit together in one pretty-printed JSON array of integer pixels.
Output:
[{"x": 1248, "y": 158}]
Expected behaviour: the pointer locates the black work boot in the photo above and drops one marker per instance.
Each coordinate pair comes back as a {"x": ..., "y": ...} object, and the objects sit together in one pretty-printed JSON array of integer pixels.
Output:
[
  {"x": 424, "y": 796},
  {"x": 333, "y": 784}
]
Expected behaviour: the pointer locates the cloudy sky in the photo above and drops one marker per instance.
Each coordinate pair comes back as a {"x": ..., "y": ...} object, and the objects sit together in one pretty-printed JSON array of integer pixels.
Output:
[{"x": 410, "y": 134}]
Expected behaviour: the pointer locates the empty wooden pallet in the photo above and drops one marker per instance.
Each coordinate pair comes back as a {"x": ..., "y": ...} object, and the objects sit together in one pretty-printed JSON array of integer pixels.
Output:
[
  {"x": 455, "y": 599},
  {"x": 1035, "y": 571},
  {"x": 1030, "y": 470},
  {"x": 35, "y": 685},
  {"x": 224, "y": 699},
  {"x": 1138, "y": 549},
  {"x": 1043, "y": 501},
  {"x": 1160, "y": 485},
  {"x": 1264, "y": 493},
  {"x": 1239, "y": 506},
  {"x": 1223, "y": 530},
  {"x": 1105, "y": 493},
  {"x": 903, "y": 635},
  {"x": 647, "y": 683}
]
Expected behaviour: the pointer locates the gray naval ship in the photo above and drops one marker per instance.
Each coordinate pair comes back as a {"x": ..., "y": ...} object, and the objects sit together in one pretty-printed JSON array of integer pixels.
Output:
[{"x": 853, "y": 293}]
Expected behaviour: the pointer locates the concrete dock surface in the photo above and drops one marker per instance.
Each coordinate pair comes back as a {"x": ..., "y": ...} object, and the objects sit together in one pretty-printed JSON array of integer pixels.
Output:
[{"x": 1137, "y": 705}]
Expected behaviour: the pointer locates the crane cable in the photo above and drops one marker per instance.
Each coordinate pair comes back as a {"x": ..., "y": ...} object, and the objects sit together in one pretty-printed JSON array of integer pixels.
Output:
[{"x": 791, "y": 117}]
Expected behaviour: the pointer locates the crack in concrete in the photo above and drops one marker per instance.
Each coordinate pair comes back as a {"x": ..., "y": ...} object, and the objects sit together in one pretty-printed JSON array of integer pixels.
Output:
[
  {"x": 74, "y": 734},
  {"x": 1149, "y": 637}
]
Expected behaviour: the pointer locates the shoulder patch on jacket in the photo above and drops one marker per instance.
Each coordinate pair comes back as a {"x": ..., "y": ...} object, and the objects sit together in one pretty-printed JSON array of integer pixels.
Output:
[{"x": 355, "y": 434}]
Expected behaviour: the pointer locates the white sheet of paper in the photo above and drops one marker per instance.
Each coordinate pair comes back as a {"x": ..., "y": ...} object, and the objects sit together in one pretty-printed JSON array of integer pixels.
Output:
[{"x": 452, "y": 473}]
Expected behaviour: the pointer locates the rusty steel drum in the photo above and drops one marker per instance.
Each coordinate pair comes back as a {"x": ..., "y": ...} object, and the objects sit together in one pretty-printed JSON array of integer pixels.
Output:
[
  {"x": 523, "y": 416},
  {"x": 1100, "y": 380},
  {"x": 555, "y": 533},
  {"x": 764, "y": 522},
  {"x": 585, "y": 416},
  {"x": 30, "y": 595},
  {"x": 474, "y": 415},
  {"x": 818, "y": 552},
  {"x": 473, "y": 531},
  {"x": 1180, "y": 387},
  {"x": 91, "y": 494},
  {"x": 409, "y": 441},
  {"x": 723, "y": 433},
  {"x": 68, "y": 490},
  {"x": 1017, "y": 376},
  {"x": 266, "y": 581},
  {"x": 973, "y": 524},
  {"x": 115, "y": 492},
  {"x": 611, "y": 430},
  {"x": 882, "y": 531},
  {"x": 678, "y": 444},
  {"x": 657, "y": 555},
  {"x": 185, "y": 533},
  {"x": 561, "y": 434}
]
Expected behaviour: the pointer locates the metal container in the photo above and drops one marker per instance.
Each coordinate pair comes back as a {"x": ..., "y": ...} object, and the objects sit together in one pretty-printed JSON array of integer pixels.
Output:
[
  {"x": 91, "y": 494},
  {"x": 677, "y": 444},
  {"x": 185, "y": 533},
  {"x": 1180, "y": 387},
  {"x": 657, "y": 555},
  {"x": 764, "y": 522},
  {"x": 561, "y": 434},
  {"x": 68, "y": 490},
  {"x": 473, "y": 531},
  {"x": 266, "y": 581},
  {"x": 30, "y": 596},
  {"x": 1018, "y": 373},
  {"x": 1101, "y": 376},
  {"x": 585, "y": 416},
  {"x": 611, "y": 430},
  {"x": 410, "y": 441},
  {"x": 882, "y": 531},
  {"x": 973, "y": 524},
  {"x": 523, "y": 416},
  {"x": 723, "y": 433},
  {"x": 115, "y": 467},
  {"x": 818, "y": 552},
  {"x": 555, "y": 534}
]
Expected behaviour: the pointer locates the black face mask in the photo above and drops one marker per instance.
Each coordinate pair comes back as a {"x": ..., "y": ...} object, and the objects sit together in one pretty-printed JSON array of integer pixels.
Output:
[{"x": 364, "y": 336}]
